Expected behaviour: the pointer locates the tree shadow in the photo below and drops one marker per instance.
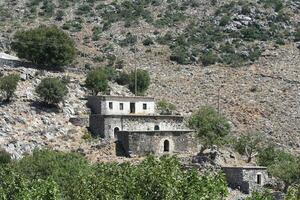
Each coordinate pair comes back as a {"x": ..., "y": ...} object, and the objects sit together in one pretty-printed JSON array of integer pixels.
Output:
[{"x": 44, "y": 107}]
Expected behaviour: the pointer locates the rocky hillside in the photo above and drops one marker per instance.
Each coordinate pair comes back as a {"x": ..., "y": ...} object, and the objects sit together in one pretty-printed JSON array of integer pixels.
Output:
[{"x": 242, "y": 54}]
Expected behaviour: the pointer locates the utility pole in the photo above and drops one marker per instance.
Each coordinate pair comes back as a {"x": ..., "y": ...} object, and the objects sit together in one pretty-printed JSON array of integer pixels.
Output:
[
  {"x": 135, "y": 81},
  {"x": 219, "y": 93}
]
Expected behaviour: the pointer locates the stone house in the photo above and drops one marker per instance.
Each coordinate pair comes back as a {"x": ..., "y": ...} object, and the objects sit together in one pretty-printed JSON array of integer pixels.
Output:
[
  {"x": 137, "y": 129},
  {"x": 247, "y": 178}
]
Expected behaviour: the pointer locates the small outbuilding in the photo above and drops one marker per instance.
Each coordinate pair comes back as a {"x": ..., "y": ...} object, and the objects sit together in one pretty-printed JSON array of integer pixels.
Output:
[{"x": 247, "y": 179}]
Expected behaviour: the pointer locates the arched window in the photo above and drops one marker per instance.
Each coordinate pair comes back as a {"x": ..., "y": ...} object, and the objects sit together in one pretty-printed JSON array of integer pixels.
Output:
[
  {"x": 156, "y": 128},
  {"x": 116, "y": 130},
  {"x": 166, "y": 146}
]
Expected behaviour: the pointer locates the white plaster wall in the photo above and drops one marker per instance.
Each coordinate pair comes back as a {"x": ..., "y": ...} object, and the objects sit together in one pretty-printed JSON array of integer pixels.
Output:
[{"x": 126, "y": 108}]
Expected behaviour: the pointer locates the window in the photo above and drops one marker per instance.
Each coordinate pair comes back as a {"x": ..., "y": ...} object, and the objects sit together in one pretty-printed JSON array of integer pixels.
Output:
[
  {"x": 156, "y": 128},
  {"x": 121, "y": 106},
  {"x": 166, "y": 146},
  {"x": 110, "y": 104},
  {"x": 258, "y": 179},
  {"x": 144, "y": 106}
]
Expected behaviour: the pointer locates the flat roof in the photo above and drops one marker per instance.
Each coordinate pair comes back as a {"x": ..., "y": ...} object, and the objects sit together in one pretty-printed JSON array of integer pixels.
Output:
[
  {"x": 243, "y": 167},
  {"x": 127, "y": 98},
  {"x": 141, "y": 116},
  {"x": 159, "y": 131}
]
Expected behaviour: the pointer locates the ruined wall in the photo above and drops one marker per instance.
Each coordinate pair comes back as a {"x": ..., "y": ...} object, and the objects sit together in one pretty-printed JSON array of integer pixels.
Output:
[
  {"x": 250, "y": 176},
  {"x": 245, "y": 179},
  {"x": 153, "y": 142},
  {"x": 96, "y": 125}
]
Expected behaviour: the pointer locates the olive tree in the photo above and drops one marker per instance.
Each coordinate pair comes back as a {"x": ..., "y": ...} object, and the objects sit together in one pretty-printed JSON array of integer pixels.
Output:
[
  {"x": 52, "y": 90},
  {"x": 249, "y": 144},
  {"x": 165, "y": 107},
  {"x": 211, "y": 127},
  {"x": 8, "y": 86},
  {"x": 96, "y": 81},
  {"x": 48, "y": 47}
]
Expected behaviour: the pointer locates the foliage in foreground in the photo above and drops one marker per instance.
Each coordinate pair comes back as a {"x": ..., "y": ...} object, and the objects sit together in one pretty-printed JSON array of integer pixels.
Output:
[
  {"x": 46, "y": 46},
  {"x": 52, "y": 90},
  {"x": 8, "y": 86},
  {"x": 54, "y": 175},
  {"x": 211, "y": 127}
]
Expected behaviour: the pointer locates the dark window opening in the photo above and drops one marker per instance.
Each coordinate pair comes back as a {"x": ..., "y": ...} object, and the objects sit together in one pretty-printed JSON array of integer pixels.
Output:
[
  {"x": 121, "y": 106},
  {"x": 116, "y": 130},
  {"x": 110, "y": 105},
  {"x": 258, "y": 179},
  {"x": 156, "y": 127},
  {"x": 145, "y": 106},
  {"x": 166, "y": 146},
  {"x": 132, "y": 107}
]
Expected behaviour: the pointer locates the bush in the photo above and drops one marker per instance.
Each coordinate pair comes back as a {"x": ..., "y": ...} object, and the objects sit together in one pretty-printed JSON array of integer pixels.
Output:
[
  {"x": 122, "y": 78},
  {"x": 8, "y": 86},
  {"x": 4, "y": 157},
  {"x": 297, "y": 35},
  {"x": 211, "y": 127},
  {"x": 165, "y": 107},
  {"x": 281, "y": 164},
  {"x": 143, "y": 81},
  {"x": 75, "y": 178},
  {"x": 130, "y": 40},
  {"x": 96, "y": 81},
  {"x": 52, "y": 90},
  {"x": 46, "y": 46},
  {"x": 209, "y": 58},
  {"x": 148, "y": 41}
]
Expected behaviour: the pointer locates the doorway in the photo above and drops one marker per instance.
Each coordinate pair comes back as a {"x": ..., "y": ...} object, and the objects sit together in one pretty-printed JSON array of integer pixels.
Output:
[
  {"x": 132, "y": 107},
  {"x": 166, "y": 146}
]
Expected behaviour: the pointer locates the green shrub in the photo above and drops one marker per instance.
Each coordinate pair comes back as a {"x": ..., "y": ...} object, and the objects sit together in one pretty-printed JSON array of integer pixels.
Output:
[
  {"x": 97, "y": 81},
  {"x": 264, "y": 195},
  {"x": 4, "y": 157},
  {"x": 209, "y": 58},
  {"x": 297, "y": 35},
  {"x": 52, "y": 90},
  {"x": 46, "y": 46},
  {"x": 142, "y": 78},
  {"x": 96, "y": 33},
  {"x": 148, "y": 41},
  {"x": 83, "y": 9},
  {"x": 122, "y": 78},
  {"x": 281, "y": 164},
  {"x": 59, "y": 15},
  {"x": 73, "y": 26},
  {"x": 53, "y": 175},
  {"x": 180, "y": 55},
  {"x": 225, "y": 20},
  {"x": 211, "y": 127},
  {"x": 48, "y": 8},
  {"x": 165, "y": 107},
  {"x": 130, "y": 40},
  {"x": 8, "y": 86}
]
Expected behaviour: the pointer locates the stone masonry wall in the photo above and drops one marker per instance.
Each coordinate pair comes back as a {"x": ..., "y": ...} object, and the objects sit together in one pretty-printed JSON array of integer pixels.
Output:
[{"x": 153, "y": 142}]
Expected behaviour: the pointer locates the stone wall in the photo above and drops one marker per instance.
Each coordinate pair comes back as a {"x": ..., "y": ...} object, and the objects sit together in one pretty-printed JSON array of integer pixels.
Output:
[
  {"x": 143, "y": 143},
  {"x": 245, "y": 179}
]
